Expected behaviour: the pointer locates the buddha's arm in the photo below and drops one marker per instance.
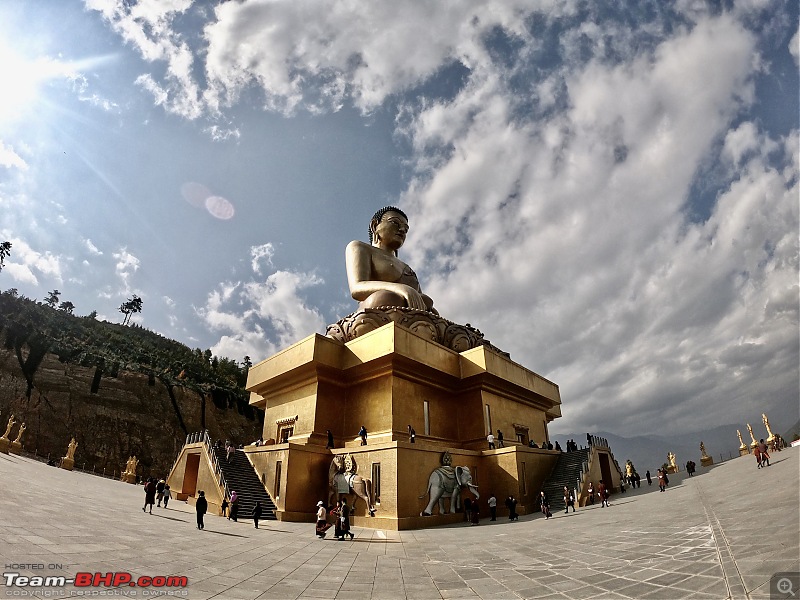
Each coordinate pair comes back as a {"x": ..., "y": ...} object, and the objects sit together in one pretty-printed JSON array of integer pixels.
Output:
[{"x": 360, "y": 278}]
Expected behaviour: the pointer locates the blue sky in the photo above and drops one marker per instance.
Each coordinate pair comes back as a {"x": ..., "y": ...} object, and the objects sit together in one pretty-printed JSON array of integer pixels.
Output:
[{"x": 608, "y": 190}]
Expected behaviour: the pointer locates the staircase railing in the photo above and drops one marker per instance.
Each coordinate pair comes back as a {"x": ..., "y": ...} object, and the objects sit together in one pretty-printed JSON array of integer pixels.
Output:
[{"x": 202, "y": 437}]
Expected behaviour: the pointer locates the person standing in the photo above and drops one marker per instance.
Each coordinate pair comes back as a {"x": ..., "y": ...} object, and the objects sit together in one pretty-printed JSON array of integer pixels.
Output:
[
  {"x": 500, "y": 443},
  {"x": 160, "y": 491},
  {"x": 569, "y": 500},
  {"x": 329, "y": 445},
  {"x": 590, "y": 491},
  {"x": 468, "y": 510},
  {"x": 511, "y": 505},
  {"x": 544, "y": 505},
  {"x": 762, "y": 446},
  {"x": 225, "y": 508},
  {"x": 322, "y": 520},
  {"x": 363, "y": 434},
  {"x": 412, "y": 435},
  {"x": 234, "y": 506},
  {"x": 167, "y": 495},
  {"x": 662, "y": 485},
  {"x": 149, "y": 494},
  {"x": 201, "y": 506},
  {"x": 648, "y": 477},
  {"x": 490, "y": 439},
  {"x": 476, "y": 512},
  {"x": 492, "y": 502},
  {"x": 257, "y": 513}
]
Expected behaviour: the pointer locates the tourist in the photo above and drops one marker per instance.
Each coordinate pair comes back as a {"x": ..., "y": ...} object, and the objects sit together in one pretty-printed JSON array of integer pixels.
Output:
[
  {"x": 259, "y": 441},
  {"x": 492, "y": 502},
  {"x": 500, "y": 443},
  {"x": 234, "y": 506},
  {"x": 167, "y": 495},
  {"x": 225, "y": 508},
  {"x": 160, "y": 491},
  {"x": 322, "y": 520},
  {"x": 336, "y": 512},
  {"x": 603, "y": 494},
  {"x": 363, "y": 435},
  {"x": 467, "y": 509},
  {"x": 590, "y": 491},
  {"x": 532, "y": 444},
  {"x": 662, "y": 484},
  {"x": 344, "y": 520},
  {"x": 230, "y": 450},
  {"x": 558, "y": 447},
  {"x": 490, "y": 439},
  {"x": 201, "y": 506},
  {"x": 544, "y": 505},
  {"x": 764, "y": 455},
  {"x": 549, "y": 445},
  {"x": 149, "y": 494},
  {"x": 330, "y": 444},
  {"x": 511, "y": 505},
  {"x": 412, "y": 435},
  {"x": 569, "y": 500},
  {"x": 476, "y": 512},
  {"x": 638, "y": 480},
  {"x": 648, "y": 477},
  {"x": 257, "y": 513}
]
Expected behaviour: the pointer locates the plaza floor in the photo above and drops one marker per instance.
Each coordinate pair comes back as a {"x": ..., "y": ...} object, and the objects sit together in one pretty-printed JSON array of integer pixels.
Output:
[{"x": 720, "y": 534}]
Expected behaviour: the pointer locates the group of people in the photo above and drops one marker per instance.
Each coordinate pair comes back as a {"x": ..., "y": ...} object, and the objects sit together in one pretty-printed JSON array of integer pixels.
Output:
[
  {"x": 691, "y": 467},
  {"x": 572, "y": 446},
  {"x": 762, "y": 456},
  {"x": 230, "y": 509},
  {"x": 341, "y": 520},
  {"x": 663, "y": 479},
  {"x": 156, "y": 490},
  {"x": 500, "y": 443},
  {"x": 544, "y": 446},
  {"x": 634, "y": 480}
]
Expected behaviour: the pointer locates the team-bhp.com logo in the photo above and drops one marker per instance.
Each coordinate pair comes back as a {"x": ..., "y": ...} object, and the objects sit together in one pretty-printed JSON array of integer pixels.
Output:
[{"x": 94, "y": 584}]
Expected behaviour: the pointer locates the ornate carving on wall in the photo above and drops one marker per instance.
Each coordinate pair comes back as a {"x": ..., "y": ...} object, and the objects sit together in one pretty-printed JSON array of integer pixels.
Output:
[{"x": 423, "y": 323}]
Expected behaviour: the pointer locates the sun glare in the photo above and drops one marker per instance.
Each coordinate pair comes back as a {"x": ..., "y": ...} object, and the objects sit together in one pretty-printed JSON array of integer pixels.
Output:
[{"x": 22, "y": 79}]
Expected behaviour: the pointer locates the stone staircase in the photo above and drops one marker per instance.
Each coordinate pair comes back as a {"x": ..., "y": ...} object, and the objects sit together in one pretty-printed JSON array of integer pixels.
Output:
[
  {"x": 238, "y": 474},
  {"x": 566, "y": 472}
]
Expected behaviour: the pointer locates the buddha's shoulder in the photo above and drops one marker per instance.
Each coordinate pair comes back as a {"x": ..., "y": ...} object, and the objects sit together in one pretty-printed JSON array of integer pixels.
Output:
[{"x": 358, "y": 246}]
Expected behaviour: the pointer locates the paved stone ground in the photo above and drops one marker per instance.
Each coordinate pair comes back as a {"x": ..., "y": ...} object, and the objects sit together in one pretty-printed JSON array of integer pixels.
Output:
[{"x": 720, "y": 534}]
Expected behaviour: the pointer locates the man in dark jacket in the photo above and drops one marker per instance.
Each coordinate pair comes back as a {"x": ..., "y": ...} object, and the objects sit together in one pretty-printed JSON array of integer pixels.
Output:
[
  {"x": 201, "y": 506},
  {"x": 257, "y": 513}
]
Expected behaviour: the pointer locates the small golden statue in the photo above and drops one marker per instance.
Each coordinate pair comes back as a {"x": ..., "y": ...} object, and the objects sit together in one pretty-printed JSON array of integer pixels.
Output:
[
  {"x": 129, "y": 474},
  {"x": 68, "y": 461},
  {"x": 752, "y": 437},
  {"x": 16, "y": 445},
  {"x": 673, "y": 466},
  {"x": 5, "y": 443},
  {"x": 705, "y": 459},
  {"x": 743, "y": 449},
  {"x": 769, "y": 431}
]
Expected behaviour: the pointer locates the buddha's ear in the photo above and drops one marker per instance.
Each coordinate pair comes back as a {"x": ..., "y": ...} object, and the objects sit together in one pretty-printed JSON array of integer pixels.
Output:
[{"x": 373, "y": 227}]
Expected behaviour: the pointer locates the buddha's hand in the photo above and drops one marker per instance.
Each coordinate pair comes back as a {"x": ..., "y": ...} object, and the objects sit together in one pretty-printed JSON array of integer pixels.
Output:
[{"x": 413, "y": 298}]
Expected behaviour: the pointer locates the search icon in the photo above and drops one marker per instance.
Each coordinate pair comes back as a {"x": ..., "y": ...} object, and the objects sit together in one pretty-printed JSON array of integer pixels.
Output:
[{"x": 784, "y": 586}]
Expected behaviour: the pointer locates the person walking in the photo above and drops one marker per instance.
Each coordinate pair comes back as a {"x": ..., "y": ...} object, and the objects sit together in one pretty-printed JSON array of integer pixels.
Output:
[
  {"x": 569, "y": 500},
  {"x": 602, "y": 492},
  {"x": 590, "y": 491},
  {"x": 344, "y": 521},
  {"x": 257, "y": 513},
  {"x": 500, "y": 443},
  {"x": 544, "y": 505},
  {"x": 662, "y": 485},
  {"x": 149, "y": 495},
  {"x": 648, "y": 477},
  {"x": 201, "y": 506},
  {"x": 225, "y": 508},
  {"x": 160, "y": 491},
  {"x": 490, "y": 439},
  {"x": 363, "y": 435},
  {"x": 468, "y": 510},
  {"x": 329, "y": 445},
  {"x": 511, "y": 505},
  {"x": 167, "y": 495},
  {"x": 412, "y": 435},
  {"x": 762, "y": 446},
  {"x": 476, "y": 512},
  {"x": 322, "y": 520}
]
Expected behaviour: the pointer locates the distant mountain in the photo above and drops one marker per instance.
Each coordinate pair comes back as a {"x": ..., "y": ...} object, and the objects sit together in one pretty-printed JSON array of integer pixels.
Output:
[
  {"x": 650, "y": 452},
  {"x": 792, "y": 433}
]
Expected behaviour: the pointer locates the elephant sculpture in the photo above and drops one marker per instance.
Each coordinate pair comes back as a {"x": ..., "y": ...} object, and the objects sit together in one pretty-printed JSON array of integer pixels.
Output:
[
  {"x": 446, "y": 479},
  {"x": 342, "y": 479}
]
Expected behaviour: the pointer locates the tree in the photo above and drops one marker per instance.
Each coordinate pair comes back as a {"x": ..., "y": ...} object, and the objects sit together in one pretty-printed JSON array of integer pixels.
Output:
[
  {"x": 133, "y": 305},
  {"x": 52, "y": 298},
  {"x": 5, "y": 250},
  {"x": 67, "y": 306},
  {"x": 92, "y": 315}
]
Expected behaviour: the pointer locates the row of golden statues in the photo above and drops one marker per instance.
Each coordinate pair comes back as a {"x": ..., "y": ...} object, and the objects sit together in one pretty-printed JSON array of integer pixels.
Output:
[
  {"x": 770, "y": 441},
  {"x": 68, "y": 461}
]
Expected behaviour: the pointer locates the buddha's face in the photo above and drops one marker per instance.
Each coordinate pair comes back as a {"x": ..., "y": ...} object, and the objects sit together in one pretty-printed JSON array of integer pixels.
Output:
[{"x": 391, "y": 230}]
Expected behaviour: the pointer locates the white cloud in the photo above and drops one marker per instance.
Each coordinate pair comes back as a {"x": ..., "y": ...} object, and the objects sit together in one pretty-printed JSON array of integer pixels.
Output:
[
  {"x": 261, "y": 254},
  {"x": 126, "y": 265},
  {"x": 91, "y": 247},
  {"x": 259, "y": 318},
  {"x": 9, "y": 158}
]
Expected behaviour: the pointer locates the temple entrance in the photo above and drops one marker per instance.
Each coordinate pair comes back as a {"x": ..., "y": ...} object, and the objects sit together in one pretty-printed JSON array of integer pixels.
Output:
[
  {"x": 190, "y": 476},
  {"x": 605, "y": 470}
]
